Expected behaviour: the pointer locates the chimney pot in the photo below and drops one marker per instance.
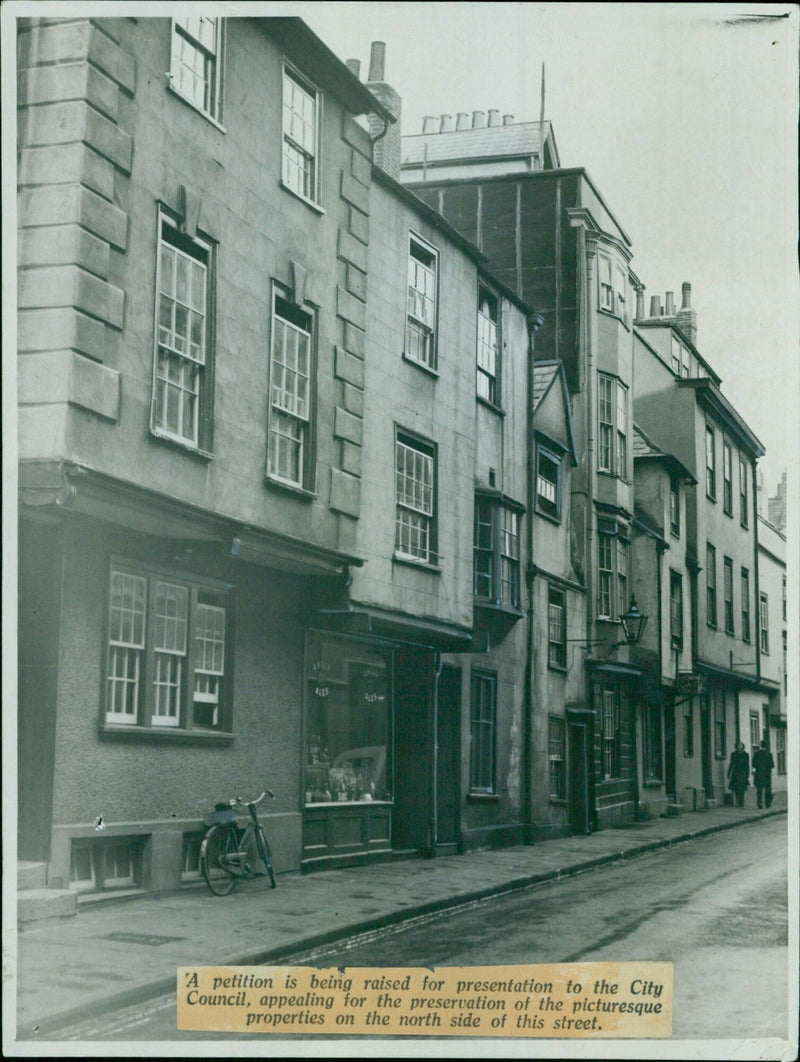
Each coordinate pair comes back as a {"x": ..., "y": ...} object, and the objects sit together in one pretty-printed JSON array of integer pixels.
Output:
[
  {"x": 655, "y": 305},
  {"x": 354, "y": 66},
  {"x": 494, "y": 117},
  {"x": 669, "y": 309},
  {"x": 478, "y": 120},
  {"x": 377, "y": 61},
  {"x": 508, "y": 119},
  {"x": 447, "y": 124},
  {"x": 430, "y": 124},
  {"x": 462, "y": 120},
  {"x": 686, "y": 294},
  {"x": 640, "y": 304}
]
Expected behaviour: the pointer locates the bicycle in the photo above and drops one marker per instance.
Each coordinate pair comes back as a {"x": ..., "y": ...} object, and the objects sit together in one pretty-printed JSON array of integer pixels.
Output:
[{"x": 226, "y": 849}]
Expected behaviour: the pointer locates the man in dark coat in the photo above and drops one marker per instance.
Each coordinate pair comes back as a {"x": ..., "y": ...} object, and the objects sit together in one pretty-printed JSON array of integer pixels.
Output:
[
  {"x": 762, "y": 774},
  {"x": 739, "y": 773}
]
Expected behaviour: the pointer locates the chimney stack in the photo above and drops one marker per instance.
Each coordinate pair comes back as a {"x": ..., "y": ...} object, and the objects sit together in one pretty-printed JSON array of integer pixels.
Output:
[
  {"x": 669, "y": 308},
  {"x": 447, "y": 124},
  {"x": 478, "y": 120},
  {"x": 354, "y": 66},
  {"x": 655, "y": 305},
  {"x": 386, "y": 142},
  {"x": 430, "y": 124},
  {"x": 494, "y": 117},
  {"x": 686, "y": 317}
]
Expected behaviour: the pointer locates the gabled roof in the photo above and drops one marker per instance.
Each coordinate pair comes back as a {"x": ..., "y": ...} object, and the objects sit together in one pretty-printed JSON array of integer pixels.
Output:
[
  {"x": 545, "y": 374},
  {"x": 645, "y": 448},
  {"x": 491, "y": 142}
]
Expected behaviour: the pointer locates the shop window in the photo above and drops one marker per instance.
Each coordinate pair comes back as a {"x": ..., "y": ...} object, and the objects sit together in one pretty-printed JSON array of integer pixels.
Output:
[
  {"x": 548, "y": 482},
  {"x": 111, "y": 863},
  {"x": 421, "y": 324},
  {"x": 557, "y": 754},
  {"x": 488, "y": 348},
  {"x": 182, "y": 400},
  {"x": 653, "y": 749},
  {"x": 556, "y": 628},
  {"x": 482, "y": 732},
  {"x": 196, "y": 62},
  {"x": 415, "y": 493},
  {"x": 166, "y": 652},
  {"x": 300, "y": 136},
  {"x": 290, "y": 459},
  {"x": 496, "y": 571},
  {"x": 348, "y": 721}
]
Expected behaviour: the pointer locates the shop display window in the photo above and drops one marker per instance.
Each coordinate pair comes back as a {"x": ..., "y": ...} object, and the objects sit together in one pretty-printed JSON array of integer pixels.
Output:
[{"x": 348, "y": 721}]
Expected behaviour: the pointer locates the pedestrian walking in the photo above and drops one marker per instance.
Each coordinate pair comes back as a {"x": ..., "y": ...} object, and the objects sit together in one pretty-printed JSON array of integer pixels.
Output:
[
  {"x": 739, "y": 773},
  {"x": 762, "y": 774}
]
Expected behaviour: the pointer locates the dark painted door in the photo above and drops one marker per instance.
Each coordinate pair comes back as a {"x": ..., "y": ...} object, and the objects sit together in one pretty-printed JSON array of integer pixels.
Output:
[
  {"x": 448, "y": 756},
  {"x": 578, "y": 779},
  {"x": 413, "y": 769},
  {"x": 705, "y": 750}
]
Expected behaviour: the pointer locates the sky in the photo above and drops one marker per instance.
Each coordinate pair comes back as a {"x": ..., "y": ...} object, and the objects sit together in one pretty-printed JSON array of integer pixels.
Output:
[{"x": 685, "y": 117}]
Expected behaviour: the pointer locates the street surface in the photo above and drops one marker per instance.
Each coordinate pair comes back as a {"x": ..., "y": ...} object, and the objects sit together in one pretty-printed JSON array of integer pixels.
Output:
[{"x": 715, "y": 906}]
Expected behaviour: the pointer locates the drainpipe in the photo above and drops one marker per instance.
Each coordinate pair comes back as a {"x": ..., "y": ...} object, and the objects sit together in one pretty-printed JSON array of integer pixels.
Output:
[
  {"x": 434, "y": 820},
  {"x": 535, "y": 322}
]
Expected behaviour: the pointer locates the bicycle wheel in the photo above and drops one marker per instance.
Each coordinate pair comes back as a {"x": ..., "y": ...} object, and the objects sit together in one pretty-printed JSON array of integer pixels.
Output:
[
  {"x": 265, "y": 855},
  {"x": 219, "y": 841}
]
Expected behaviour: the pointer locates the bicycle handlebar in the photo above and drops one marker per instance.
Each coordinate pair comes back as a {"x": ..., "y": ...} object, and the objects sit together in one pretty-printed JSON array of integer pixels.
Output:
[{"x": 251, "y": 803}]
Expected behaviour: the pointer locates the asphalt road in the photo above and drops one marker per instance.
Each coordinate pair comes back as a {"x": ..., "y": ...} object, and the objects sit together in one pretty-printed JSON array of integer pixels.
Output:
[{"x": 716, "y": 907}]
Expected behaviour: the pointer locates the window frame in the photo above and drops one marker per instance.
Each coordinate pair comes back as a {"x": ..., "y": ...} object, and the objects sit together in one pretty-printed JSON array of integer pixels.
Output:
[
  {"x": 744, "y": 501},
  {"x": 426, "y": 449},
  {"x": 675, "y": 506},
  {"x": 780, "y": 750},
  {"x": 676, "y": 610},
  {"x": 428, "y": 331},
  {"x": 199, "y": 251},
  {"x": 711, "y": 586},
  {"x": 688, "y": 728},
  {"x": 203, "y": 596},
  {"x": 711, "y": 462},
  {"x": 612, "y": 581},
  {"x": 550, "y": 454},
  {"x": 653, "y": 745},
  {"x": 727, "y": 594},
  {"x": 727, "y": 478},
  {"x": 491, "y": 379},
  {"x": 605, "y": 281},
  {"x": 557, "y": 758},
  {"x": 763, "y": 622},
  {"x": 755, "y": 732},
  {"x": 217, "y": 56},
  {"x": 490, "y": 537},
  {"x": 612, "y": 440},
  {"x": 483, "y": 733},
  {"x": 719, "y": 722},
  {"x": 610, "y": 709},
  {"x": 306, "y": 430},
  {"x": 744, "y": 586},
  {"x": 556, "y": 628},
  {"x": 306, "y": 85}
]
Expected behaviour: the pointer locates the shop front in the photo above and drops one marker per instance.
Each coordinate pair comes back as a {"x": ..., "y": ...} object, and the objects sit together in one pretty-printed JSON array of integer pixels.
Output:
[{"x": 348, "y": 773}]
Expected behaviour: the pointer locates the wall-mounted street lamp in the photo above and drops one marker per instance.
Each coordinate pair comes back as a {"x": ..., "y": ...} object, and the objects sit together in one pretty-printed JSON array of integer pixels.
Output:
[{"x": 633, "y": 624}]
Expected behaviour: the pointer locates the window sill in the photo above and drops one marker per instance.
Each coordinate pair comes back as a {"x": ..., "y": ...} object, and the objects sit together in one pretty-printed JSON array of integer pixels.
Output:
[
  {"x": 414, "y": 562},
  {"x": 560, "y": 669},
  {"x": 122, "y": 732},
  {"x": 290, "y": 488},
  {"x": 560, "y": 801},
  {"x": 190, "y": 103},
  {"x": 674, "y": 533},
  {"x": 728, "y": 513},
  {"x": 549, "y": 517},
  {"x": 611, "y": 313},
  {"x": 490, "y": 405},
  {"x": 498, "y": 607},
  {"x": 303, "y": 199},
  {"x": 653, "y": 783},
  {"x": 181, "y": 444},
  {"x": 421, "y": 365},
  {"x": 483, "y": 798}
]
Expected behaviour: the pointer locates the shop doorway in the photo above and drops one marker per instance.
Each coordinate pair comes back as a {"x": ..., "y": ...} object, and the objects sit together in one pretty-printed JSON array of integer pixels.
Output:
[
  {"x": 579, "y": 822},
  {"x": 669, "y": 752}
]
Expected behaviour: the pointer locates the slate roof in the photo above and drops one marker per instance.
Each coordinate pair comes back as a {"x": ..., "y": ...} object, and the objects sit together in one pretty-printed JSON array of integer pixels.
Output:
[
  {"x": 494, "y": 141},
  {"x": 543, "y": 374}
]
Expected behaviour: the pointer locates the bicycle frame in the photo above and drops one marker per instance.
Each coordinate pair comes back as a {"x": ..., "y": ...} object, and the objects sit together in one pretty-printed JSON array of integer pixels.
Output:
[{"x": 235, "y": 859}]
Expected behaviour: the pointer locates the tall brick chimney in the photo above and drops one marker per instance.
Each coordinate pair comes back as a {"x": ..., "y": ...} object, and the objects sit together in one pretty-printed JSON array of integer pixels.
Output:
[
  {"x": 686, "y": 317},
  {"x": 387, "y": 147}
]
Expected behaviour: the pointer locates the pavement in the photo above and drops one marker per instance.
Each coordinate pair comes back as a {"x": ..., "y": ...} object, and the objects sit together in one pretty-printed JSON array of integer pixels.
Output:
[{"x": 117, "y": 954}]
